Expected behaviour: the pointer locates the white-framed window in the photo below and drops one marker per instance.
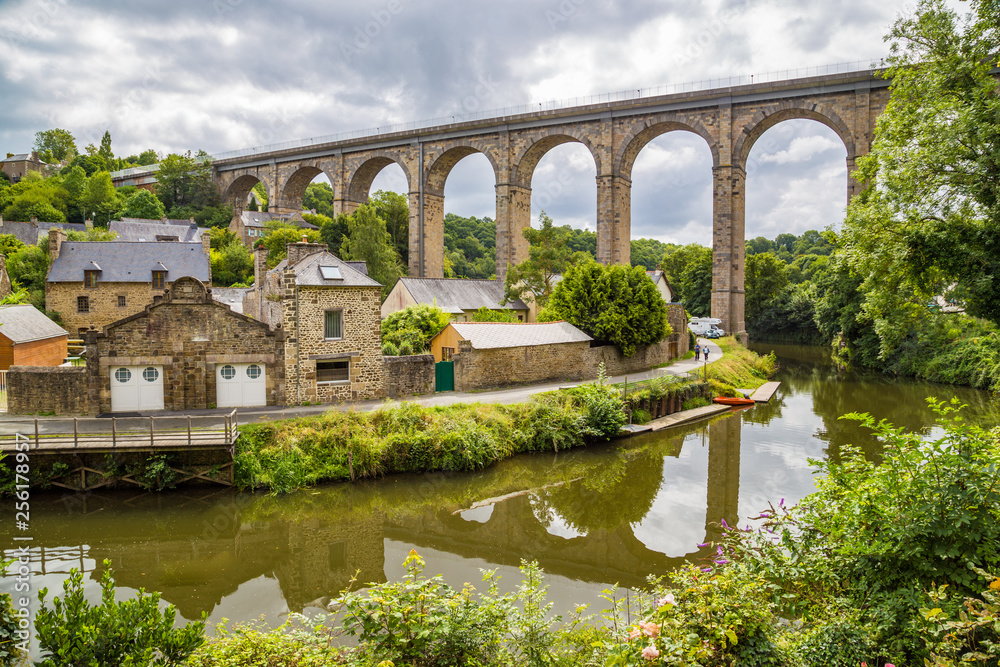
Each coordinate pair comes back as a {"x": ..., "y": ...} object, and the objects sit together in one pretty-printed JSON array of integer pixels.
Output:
[
  {"x": 333, "y": 371},
  {"x": 333, "y": 324}
]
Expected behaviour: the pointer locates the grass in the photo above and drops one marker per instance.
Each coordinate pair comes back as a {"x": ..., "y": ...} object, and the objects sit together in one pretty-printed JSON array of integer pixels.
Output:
[{"x": 739, "y": 367}]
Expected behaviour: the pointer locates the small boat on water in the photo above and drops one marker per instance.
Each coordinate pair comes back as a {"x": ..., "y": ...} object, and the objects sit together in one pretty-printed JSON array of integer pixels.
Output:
[{"x": 728, "y": 400}]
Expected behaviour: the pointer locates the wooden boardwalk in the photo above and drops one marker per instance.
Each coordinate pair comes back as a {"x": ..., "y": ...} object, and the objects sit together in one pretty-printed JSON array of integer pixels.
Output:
[
  {"x": 202, "y": 454},
  {"x": 105, "y": 435},
  {"x": 765, "y": 392}
]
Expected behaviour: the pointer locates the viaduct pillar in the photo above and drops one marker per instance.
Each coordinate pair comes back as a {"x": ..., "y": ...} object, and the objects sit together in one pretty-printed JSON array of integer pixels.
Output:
[
  {"x": 513, "y": 217},
  {"x": 614, "y": 219},
  {"x": 728, "y": 244}
]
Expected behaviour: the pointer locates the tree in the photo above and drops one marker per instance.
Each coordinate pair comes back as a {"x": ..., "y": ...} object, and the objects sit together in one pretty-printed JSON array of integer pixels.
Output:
[
  {"x": 231, "y": 264},
  {"x": 931, "y": 216},
  {"x": 259, "y": 197},
  {"x": 485, "y": 314},
  {"x": 186, "y": 180},
  {"x": 75, "y": 182},
  {"x": 332, "y": 231},
  {"x": 319, "y": 197},
  {"x": 28, "y": 267},
  {"x": 368, "y": 240},
  {"x": 394, "y": 208},
  {"x": 422, "y": 318},
  {"x": 614, "y": 304},
  {"x": 277, "y": 236},
  {"x": 548, "y": 256},
  {"x": 100, "y": 198},
  {"x": 144, "y": 204},
  {"x": 35, "y": 196},
  {"x": 9, "y": 244},
  {"x": 766, "y": 277},
  {"x": 647, "y": 253},
  {"x": 689, "y": 270},
  {"x": 55, "y": 145}
]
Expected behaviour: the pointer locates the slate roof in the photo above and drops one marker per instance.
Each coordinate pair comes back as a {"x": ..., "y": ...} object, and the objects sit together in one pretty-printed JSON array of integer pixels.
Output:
[
  {"x": 455, "y": 295},
  {"x": 29, "y": 233},
  {"x": 490, "y": 335},
  {"x": 129, "y": 262},
  {"x": 130, "y": 229},
  {"x": 231, "y": 296},
  {"x": 357, "y": 265},
  {"x": 258, "y": 218},
  {"x": 307, "y": 272},
  {"x": 168, "y": 221},
  {"x": 25, "y": 323},
  {"x": 20, "y": 157}
]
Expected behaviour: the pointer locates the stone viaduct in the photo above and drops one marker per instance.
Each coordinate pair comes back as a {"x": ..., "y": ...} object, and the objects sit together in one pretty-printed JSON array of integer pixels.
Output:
[{"x": 729, "y": 119}]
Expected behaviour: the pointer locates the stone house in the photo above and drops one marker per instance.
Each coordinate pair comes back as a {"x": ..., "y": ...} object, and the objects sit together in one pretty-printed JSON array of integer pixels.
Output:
[
  {"x": 142, "y": 230},
  {"x": 459, "y": 298},
  {"x": 29, "y": 338},
  {"x": 185, "y": 352},
  {"x": 17, "y": 166},
  {"x": 92, "y": 284},
  {"x": 329, "y": 311},
  {"x": 249, "y": 226}
]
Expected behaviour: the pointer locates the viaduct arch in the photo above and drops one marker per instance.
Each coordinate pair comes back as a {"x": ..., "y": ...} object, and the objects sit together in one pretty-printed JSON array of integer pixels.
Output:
[{"x": 729, "y": 119}]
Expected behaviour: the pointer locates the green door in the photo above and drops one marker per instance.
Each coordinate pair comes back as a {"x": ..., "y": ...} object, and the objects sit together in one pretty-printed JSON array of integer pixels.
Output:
[{"x": 444, "y": 376}]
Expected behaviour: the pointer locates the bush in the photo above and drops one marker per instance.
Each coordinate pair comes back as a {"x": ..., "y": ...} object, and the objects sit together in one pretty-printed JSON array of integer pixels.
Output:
[
  {"x": 389, "y": 349},
  {"x": 414, "y": 340},
  {"x": 129, "y": 633},
  {"x": 9, "y": 653},
  {"x": 425, "y": 319}
]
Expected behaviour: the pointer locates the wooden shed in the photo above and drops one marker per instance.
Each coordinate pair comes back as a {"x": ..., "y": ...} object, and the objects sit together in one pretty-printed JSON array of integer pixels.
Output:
[{"x": 29, "y": 338}]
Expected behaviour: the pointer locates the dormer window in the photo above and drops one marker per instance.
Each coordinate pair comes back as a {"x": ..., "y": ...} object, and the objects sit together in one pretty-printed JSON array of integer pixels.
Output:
[
  {"x": 90, "y": 278},
  {"x": 159, "y": 279}
]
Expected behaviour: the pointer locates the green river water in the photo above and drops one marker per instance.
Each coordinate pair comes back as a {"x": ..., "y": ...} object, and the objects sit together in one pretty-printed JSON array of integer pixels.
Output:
[{"x": 592, "y": 518}]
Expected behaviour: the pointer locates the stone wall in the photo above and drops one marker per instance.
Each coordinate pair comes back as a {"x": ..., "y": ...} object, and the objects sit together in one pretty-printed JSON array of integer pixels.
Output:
[
  {"x": 304, "y": 308},
  {"x": 411, "y": 375},
  {"x": 500, "y": 367},
  {"x": 60, "y": 390},
  {"x": 188, "y": 334}
]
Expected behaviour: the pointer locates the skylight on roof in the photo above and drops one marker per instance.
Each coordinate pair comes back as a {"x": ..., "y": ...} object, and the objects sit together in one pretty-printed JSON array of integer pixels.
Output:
[{"x": 330, "y": 273}]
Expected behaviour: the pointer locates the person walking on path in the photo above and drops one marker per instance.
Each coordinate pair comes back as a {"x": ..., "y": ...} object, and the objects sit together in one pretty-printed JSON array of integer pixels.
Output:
[
  {"x": 705, "y": 351},
  {"x": 697, "y": 351}
]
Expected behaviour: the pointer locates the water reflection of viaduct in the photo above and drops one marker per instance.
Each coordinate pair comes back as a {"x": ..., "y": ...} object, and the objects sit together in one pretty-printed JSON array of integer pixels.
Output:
[
  {"x": 729, "y": 119},
  {"x": 195, "y": 564}
]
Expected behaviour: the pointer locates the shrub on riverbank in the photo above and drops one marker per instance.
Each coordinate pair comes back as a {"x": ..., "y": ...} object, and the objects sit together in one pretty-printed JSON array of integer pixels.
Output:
[
  {"x": 407, "y": 437},
  {"x": 739, "y": 367}
]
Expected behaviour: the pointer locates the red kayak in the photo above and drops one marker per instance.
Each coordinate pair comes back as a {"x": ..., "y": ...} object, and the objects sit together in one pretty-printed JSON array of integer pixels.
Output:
[{"x": 726, "y": 400}]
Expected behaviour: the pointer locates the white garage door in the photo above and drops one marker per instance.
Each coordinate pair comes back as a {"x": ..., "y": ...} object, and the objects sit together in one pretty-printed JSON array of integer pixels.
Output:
[
  {"x": 240, "y": 385},
  {"x": 136, "y": 388}
]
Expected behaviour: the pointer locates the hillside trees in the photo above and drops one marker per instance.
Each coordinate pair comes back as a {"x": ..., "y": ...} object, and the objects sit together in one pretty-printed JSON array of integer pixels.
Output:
[
  {"x": 367, "y": 239},
  {"x": 689, "y": 270},
  {"x": 144, "y": 204}
]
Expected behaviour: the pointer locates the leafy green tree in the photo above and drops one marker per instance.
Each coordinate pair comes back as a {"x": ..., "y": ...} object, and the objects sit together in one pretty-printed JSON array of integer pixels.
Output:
[
  {"x": 394, "y": 208},
  {"x": 28, "y": 267},
  {"x": 89, "y": 163},
  {"x": 932, "y": 215},
  {"x": 613, "y": 304},
  {"x": 766, "y": 276},
  {"x": 332, "y": 232},
  {"x": 259, "y": 197},
  {"x": 143, "y": 159},
  {"x": 97, "y": 234},
  {"x": 144, "y": 204},
  {"x": 186, "y": 180},
  {"x": 549, "y": 255},
  {"x": 101, "y": 199},
  {"x": 470, "y": 247},
  {"x": 55, "y": 145},
  {"x": 75, "y": 182},
  {"x": 689, "y": 270},
  {"x": 34, "y": 196},
  {"x": 368, "y": 240},
  {"x": 220, "y": 237},
  {"x": 423, "y": 318},
  {"x": 647, "y": 253},
  {"x": 277, "y": 236},
  {"x": 758, "y": 245},
  {"x": 319, "y": 197},
  {"x": 231, "y": 264},
  {"x": 485, "y": 314},
  {"x": 9, "y": 244}
]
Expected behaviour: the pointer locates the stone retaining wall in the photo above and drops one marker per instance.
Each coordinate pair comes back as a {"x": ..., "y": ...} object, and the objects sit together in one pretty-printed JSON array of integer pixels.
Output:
[
  {"x": 60, "y": 390},
  {"x": 411, "y": 375}
]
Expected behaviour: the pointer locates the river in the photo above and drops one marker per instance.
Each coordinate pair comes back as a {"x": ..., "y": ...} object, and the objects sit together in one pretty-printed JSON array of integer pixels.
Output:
[{"x": 592, "y": 518}]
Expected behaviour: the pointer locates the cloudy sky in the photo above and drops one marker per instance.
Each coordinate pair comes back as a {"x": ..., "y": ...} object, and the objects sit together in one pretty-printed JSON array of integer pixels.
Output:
[{"x": 221, "y": 75}]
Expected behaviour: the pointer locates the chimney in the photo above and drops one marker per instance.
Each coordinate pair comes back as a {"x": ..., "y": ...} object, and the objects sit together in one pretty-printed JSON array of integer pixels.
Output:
[
  {"x": 259, "y": 266},
  {"x": 302, "y": 249},
  {"x": 206, "y": 243},
  {"x": 88, "y": 223},
  {"x": 33, "y": 220},
  {"x": 56, "y": 238}
]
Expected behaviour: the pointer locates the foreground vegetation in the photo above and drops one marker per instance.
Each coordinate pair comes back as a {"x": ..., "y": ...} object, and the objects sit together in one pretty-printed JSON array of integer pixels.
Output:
[{"x": 890, "y": 563}]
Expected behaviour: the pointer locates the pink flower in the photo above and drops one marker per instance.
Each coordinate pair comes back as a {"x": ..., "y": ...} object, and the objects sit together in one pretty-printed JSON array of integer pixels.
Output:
[
  {"x": 634, "y": 633},
  {"x": 650, "y": 653},
  {"x": 665, "y": 600},
  {"x": 649, "y": 629},
  {"x": 889, "y": 664}
]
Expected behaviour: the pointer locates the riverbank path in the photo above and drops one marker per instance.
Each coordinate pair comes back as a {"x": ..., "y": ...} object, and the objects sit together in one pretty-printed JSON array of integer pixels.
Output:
[{"x": 11, "y": 424}]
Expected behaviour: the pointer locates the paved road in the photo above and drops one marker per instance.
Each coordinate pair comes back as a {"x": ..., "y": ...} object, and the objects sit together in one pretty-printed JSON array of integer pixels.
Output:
[{"x": 11, "y": 424}]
